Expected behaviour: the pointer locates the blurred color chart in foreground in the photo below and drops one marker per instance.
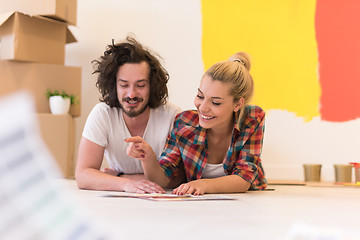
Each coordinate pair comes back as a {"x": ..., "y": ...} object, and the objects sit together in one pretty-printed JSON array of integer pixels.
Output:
[{"x": 30, "y": 204}]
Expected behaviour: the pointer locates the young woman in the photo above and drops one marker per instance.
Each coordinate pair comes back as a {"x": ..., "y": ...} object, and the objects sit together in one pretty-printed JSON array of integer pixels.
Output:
[{"x": 219, "y": 144}]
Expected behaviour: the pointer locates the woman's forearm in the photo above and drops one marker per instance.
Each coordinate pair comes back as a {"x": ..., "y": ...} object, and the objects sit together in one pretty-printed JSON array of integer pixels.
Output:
[
  {"x": 226, "y": 184},
  {"x": 155, "y": 173}
]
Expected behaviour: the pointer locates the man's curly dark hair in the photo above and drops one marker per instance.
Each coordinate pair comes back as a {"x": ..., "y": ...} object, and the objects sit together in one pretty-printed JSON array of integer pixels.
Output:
[{"x": 129, "y": 51}]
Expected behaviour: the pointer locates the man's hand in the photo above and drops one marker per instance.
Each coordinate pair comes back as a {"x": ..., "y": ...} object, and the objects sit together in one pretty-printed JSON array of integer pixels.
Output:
[{"x": 142, "y": 186}]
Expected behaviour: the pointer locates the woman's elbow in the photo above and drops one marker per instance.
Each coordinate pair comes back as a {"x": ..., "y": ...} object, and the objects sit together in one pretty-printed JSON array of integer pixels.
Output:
[{"x": 243, "y": 186}]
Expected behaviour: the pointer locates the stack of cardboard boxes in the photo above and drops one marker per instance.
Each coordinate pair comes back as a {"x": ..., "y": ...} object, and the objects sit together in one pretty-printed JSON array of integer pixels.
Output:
[{"x": 33, "y": 34}]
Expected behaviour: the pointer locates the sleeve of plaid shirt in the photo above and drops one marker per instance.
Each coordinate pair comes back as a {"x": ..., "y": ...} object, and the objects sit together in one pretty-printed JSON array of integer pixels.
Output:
[
  {"x": 248, "y": 163},
  {"x": 171, "y": 156}
]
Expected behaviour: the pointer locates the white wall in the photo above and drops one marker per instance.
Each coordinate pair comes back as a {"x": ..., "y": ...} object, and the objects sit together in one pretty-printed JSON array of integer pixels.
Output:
[{"x": 173, "y": 28}]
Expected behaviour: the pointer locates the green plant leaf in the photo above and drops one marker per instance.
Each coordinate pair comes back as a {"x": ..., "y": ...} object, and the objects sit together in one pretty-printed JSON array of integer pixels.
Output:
[{"x": 49, "y": 93}]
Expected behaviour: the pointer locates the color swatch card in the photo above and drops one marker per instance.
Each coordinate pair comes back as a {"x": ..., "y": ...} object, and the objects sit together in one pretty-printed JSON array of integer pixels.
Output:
[{"x": 31, "y": 206}]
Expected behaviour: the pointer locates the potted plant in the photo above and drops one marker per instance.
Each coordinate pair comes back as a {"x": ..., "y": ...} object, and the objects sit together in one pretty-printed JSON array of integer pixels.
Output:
[{"x": 60, "y": 101}]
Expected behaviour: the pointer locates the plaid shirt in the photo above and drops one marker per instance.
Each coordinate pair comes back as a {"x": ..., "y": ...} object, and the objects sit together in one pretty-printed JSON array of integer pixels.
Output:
[{"x": 187, "y": 142}]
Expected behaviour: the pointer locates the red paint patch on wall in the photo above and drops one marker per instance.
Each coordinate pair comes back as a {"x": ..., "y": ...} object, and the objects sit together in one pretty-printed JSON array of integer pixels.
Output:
[{"x": 337, "y": 25}]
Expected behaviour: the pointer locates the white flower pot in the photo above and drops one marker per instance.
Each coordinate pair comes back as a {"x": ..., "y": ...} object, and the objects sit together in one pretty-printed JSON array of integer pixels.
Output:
[{"x": 59, "y": 105}]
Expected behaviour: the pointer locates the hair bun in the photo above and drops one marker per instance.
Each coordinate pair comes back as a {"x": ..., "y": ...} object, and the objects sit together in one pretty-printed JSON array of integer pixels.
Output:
[{"x": 243, "y": 58}]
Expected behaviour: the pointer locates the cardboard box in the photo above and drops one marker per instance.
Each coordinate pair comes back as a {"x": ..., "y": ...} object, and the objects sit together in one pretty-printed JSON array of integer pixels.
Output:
[
  {"x": 33, "y": 39},
  {"x": 37, "y": 78},
  {"x": 58, "y": 133},
  {"x": 63, "y": 10}
]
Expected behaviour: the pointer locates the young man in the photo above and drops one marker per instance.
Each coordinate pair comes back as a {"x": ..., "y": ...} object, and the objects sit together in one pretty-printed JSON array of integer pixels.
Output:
[{"x": 132, "y": 83}]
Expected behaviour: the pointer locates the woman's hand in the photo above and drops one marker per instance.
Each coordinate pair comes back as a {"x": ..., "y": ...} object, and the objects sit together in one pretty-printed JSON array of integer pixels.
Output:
[
  {"x": 197, "y": 187},
  {"x": 225, "y": 184},
  {"x": 140, "y": 149},
  {"x": 142, "y": 186}
]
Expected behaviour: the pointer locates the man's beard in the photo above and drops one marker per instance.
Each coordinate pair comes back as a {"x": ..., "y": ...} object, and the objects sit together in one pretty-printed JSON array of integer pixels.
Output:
[{"x": 132, "y": 112}]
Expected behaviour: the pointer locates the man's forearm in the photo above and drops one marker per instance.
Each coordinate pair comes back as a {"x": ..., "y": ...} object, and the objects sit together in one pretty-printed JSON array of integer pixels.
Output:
[{"x": 93, "y": 179}]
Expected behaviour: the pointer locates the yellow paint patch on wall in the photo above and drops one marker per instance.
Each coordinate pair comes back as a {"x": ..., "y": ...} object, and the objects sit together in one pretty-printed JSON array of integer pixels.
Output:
[{"x": 280, "y": 37}]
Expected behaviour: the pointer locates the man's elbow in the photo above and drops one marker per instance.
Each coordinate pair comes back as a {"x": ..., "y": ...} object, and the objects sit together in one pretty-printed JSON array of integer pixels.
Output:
[{"x": 80, "y": 180}]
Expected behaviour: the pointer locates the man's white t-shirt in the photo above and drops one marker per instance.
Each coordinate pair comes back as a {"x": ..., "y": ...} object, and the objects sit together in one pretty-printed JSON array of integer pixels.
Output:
[{"x": 106, "y": 127}]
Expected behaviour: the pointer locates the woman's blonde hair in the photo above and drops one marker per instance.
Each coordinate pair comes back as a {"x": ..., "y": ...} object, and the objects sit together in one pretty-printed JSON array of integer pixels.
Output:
[{"x": 235, "y": 71}]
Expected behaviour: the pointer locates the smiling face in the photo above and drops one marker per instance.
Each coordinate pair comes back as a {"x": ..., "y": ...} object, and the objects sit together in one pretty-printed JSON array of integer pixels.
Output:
[
  {"x": 133, "y": 87},
  {"x": 215, "y": 105}
]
